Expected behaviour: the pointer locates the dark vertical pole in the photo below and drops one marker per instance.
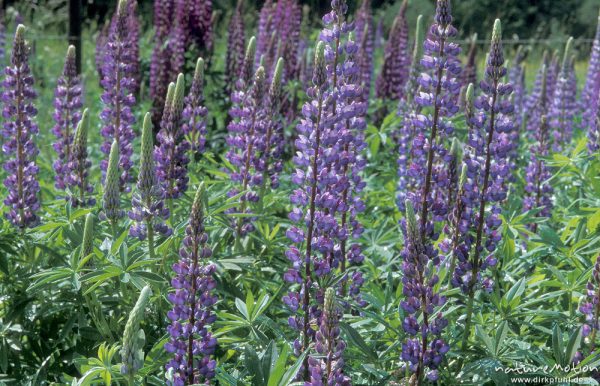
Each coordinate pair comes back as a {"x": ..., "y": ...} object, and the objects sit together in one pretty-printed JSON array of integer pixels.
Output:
[{"x": 75, "y": 30}]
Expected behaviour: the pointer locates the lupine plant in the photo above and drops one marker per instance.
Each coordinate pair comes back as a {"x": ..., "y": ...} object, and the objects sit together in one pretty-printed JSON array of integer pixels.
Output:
[
  {"x": 236, "y": 41},
  {"x": 191, "y": 343},
  {"x": 67, "y": 104},
  {"x": 19, "y": 131}
]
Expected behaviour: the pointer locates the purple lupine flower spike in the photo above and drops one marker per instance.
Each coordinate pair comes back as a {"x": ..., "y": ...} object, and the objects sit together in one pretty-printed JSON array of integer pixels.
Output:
[
  {"x": 194, "y": 114},
  {"x": 118, "y": 98},
  {"x": 271, "y": 148},
  {"x": 179, "y": 36},
  {"x": 488, "y": 172},
  {"x": 469, "y": 74},
  {"x": 516, "y": 77},
  {"x": 191, "y": 342},
  {"x": 236, "y": 40},
  {"x": 77, "y": 169},
  {"x": 133, "y": 28},
  {"x": 408, "y": 110},
  {"x": 201, "y": 29},
  {"x": 427, "y": 168},
  {"x": 563, "y": 108},
  {"x": 171, "y": 153},
  {"x": 19, "y": 131},
  {"x": 537, "y": 103},
  {"x": 591, "y": 93},
  {"x": 424, "y": 349},
  {"x": 244, "y": 135},
  {"x": 396, "y": 62},
  {"x": 160, "y": 64},
  {"x": 111, "y": 202},
  {"x": 67, "y": 113},
  {"x": 590, "y": 308},
  {"x": 365, "y": 38},
  {"x": 327, "y": 368},
  {"x": 538, "y": 191},
  {"x": 148, "y": 208}
]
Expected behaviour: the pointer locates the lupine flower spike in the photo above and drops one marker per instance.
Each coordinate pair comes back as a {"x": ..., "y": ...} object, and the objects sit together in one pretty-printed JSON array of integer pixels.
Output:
[
  {"x": 148, "y": 208},
  {"x": 191, "y": 342},
  {"x": 19, "y": 131},
  {"x": 538, "y": 190},
  {"x": 171, "y": 154},
  {"x": 396, "y": 64},
  {"x": 424, "y": 350},
  {"x": 590, "y": 308},
  {"x": 327, "y": 367},
  {"x": 112, "y": 197},
  {"x": 537, "y": 103},
  {"x": 236, "y": 41},
  {"x": 564, "y": 104},
  {"x": 591, "y": 93},
  {"x": 194, "y": 114},
  {"x": 427, "y": 168},
  {"x": 488, "y": 171},
  {"x": 67, "y": 113},
  {"x": 118, "y": 96},
  {"x": 132, "y": 351},
  {"x": 77, "y": 169},
  {"x": 365, "y": 31}
]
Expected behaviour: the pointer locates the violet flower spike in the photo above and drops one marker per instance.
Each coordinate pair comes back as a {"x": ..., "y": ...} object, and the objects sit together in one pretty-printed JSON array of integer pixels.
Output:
[
  {"x": 469, "y": 74},
  {"x": 171, "y": 153},
  {"x": 591, "y": 93},
  {"x": 67, "y": 113},
  {"x": 236, "y": 40},
  {"x": 78, "y": 168},
  {"x": 148, "y": 208},
  {"x": 195, "y": 113},
  {"x": 396, "y": 61},
  {"x": 118, "y": 99},
  {"x": 191, "y": 343},
  {"x": 489, "y": 169},
  {"x": 424, "y": 349},
  {"x": 19, "y": 130},
  {"x": 564, "y": 104},
  {"x": 327, "y": 367},
  {"x": 365, "y": 31}
]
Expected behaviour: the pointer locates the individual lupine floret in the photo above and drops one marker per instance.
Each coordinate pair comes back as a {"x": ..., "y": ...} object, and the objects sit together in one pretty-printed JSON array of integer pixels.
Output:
[
  {"x": 236, "y": 40},
  {"x": 78, "y": 167},
  {"x": 19, "y": 131},
  {"x": 424, "y": 349},
  {"x": 194, "y": 113},
  {"x": 111, "y": 202},
  {"x": 365, "y": 31},
  {"x": 591, "y": 93},
  {"x": 243, "y": 140},
  {"x": 408, "y": 110},
  {"x": 564, "y": 104},
  {"x": 191, "y": 342},
  {"x": 469, "y": 74},
  {"x": 118, "y": 98},
  {"x": 538, "y": 190},
  {"x": 67, "y": 113},
  {"x": 171, "y": 154},
  {"x": 148, "y": 209},
  {"x": 590, "y": 308},
  {"x": 488, "y": 172},
  {"x": 327, "y": 367},
  {"x": 440, "y": 92},
  {"x": 132, "y": 351},
  {"x": 396, "y": 60}
]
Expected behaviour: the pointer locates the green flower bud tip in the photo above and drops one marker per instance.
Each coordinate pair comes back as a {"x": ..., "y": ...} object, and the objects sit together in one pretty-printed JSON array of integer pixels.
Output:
[
  {"x": 179, "y": 94},
  {"x": 469, "y": 94},
  {"x": 418, "y": 48},
  {"x": 133, "y": 338},
  {"x": 567, "y": 55},
  {"x": 71, "y": 52},
  {"x": 122, "y": 7},
  {"x": 329, "y": 300},
  {"x": 170, "y": 94},
  {"x": 82, "y": 129},
  {"x": 276, "y": 81},
  {"x": 199, "y": 71},
  {"x": 411, "y": 220},
  {"x": 463, "y": 175},
  {"x": 497, "y": 31}
]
